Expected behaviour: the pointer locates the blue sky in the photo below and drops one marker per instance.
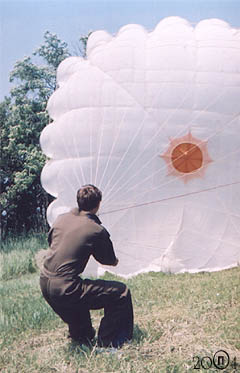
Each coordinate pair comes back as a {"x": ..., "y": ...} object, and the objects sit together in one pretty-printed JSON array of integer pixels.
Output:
[{"x": 23, "y": 22}]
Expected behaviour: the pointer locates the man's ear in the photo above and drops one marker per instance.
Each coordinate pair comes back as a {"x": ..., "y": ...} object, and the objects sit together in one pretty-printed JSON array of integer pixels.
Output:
[{"x": 98, "y": 206}]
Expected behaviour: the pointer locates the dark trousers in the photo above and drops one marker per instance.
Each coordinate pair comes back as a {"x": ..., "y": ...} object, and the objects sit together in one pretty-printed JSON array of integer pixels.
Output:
[{"x": 116, "y": 327}]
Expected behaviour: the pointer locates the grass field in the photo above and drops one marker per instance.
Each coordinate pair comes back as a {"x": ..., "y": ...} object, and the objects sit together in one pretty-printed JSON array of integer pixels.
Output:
[{"x": 181, "y": 321}]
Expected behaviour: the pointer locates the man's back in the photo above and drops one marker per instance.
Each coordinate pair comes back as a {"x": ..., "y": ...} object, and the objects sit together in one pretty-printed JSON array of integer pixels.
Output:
[{"x": 72, "y": 239}]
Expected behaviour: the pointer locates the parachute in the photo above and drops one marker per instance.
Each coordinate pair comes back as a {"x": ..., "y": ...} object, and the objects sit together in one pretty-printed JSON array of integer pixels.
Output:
[{"x": 152, "y": 119}]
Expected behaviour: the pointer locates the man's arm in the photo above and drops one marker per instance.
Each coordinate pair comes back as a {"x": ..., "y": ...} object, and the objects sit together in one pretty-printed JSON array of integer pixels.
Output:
[{"x": 103, "y": 250}]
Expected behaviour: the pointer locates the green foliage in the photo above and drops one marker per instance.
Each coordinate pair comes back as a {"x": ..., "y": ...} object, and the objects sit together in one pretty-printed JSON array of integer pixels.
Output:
[
  {"x": 54, "y": 51},
  {"x": 23, "y": 116},
  {"x": 15, "y": 264},
  {"x": 17, "y": 256},
  {"x": 80, "y": 48}
]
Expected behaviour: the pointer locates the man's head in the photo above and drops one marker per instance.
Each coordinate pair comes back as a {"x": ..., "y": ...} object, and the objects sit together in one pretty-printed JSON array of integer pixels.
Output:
[{"x": 89, "y": 198}]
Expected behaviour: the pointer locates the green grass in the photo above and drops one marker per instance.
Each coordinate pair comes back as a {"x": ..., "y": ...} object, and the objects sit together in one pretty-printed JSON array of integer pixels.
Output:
[
  {"x": 17, "y": 255},
  {"x": 177, "y": 317}
]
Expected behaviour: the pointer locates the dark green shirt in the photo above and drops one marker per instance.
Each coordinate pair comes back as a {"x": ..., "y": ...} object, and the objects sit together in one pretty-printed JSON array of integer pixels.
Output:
[{"x": 73, "y": 238}]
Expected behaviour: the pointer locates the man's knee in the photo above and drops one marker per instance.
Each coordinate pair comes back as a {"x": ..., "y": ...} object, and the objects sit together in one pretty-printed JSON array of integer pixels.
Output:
[
  {"x": 118, "y": 288},
  {"x": 124, "y": 290}
]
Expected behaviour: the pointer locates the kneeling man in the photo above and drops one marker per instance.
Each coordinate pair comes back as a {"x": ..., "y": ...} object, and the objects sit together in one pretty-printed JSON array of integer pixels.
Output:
[{"x": 73, "y": 238}]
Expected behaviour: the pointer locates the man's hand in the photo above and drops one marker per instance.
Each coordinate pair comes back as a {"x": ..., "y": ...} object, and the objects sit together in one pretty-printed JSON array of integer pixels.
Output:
[{"x": 116, "y": 262}]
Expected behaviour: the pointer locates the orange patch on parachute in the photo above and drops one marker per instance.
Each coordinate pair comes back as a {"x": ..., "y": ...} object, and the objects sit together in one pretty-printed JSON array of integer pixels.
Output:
[{"x": 187, "y": 157}]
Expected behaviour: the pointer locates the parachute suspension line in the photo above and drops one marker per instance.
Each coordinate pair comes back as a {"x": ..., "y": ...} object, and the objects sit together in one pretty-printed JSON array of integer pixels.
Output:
[
  {"x": 100, "y": 144},
  {"x": 146, "y": 114},
  {"x": 156, "y": 134},
  {"x": 138, "y": 259},
  {"x": 78, "y": 156},
  {"x": 113, "y": 146},
  {"x": 172, "y": 180},
  {"x": 143, "y": 244},
  {"x": 113, "y": 143},
  {"x": 69, "y": 156},
  {"x": 82, "y": 173},
  {"x": 229, "y": 214},
  {"x": 129, "y": 146},
  {"x": 170, "y": 198},
  {"x": 124, "y": 155},
  {"x": 197, "y": 144},
  {"x": 68, "y": 182},
  {"x": 120, "y": 126},
  {"x": 148, "y": 177},
  {"x": 91, "y": 146}
]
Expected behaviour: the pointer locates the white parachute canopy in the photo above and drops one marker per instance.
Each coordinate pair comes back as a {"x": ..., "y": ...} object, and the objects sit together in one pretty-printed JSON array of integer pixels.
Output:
[{"x": 152, "y": 119}]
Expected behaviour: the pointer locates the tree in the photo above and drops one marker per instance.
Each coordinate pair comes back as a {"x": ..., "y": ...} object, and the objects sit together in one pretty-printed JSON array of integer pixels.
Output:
[
  {"x": 80, "y": 49},
  {"x": 23, "y": 116}
]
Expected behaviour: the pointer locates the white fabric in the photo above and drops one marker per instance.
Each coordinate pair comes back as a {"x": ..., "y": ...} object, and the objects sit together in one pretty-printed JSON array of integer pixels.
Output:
[{"x": 115, "y": 115}]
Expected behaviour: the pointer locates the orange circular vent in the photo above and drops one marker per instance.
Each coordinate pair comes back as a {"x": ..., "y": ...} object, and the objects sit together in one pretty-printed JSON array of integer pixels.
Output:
[{"x": 187, "y": 157}]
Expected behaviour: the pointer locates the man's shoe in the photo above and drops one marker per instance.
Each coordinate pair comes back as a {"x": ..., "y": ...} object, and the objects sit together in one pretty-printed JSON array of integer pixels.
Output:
[{"x": 87, "y": 340}]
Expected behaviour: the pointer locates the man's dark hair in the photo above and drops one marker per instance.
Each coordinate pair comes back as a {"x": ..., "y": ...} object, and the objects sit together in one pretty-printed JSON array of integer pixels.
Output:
[{"x": 88, "y": 197}]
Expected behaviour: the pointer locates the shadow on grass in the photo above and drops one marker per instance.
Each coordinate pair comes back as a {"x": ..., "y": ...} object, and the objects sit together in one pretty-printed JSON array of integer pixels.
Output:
[
  {"x": 139, "y": 334},
  {"x": 74, "y": 347}
]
